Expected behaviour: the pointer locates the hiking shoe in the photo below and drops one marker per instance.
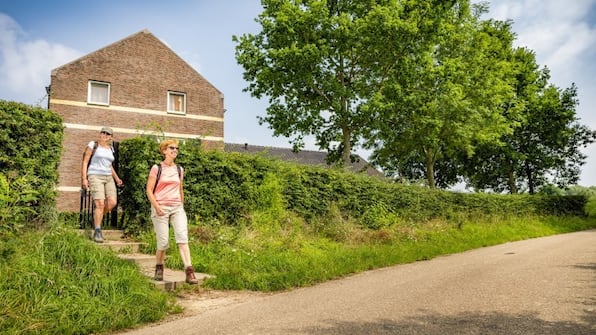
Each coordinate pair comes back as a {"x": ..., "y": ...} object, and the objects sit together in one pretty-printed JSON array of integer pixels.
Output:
[
  {"x": 98, "y": 236},
  {"x": 190, "y": 276},
  {"x": 158, "y": 272}
]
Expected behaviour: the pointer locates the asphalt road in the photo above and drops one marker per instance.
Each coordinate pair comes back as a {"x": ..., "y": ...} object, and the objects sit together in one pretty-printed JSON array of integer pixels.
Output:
[{"x": 544, "y": 286}]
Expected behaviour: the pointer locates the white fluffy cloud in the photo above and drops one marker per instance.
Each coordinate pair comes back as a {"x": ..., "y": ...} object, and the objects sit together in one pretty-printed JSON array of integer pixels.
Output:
[
  {"x": 25, "y": 66},
  {"x": 558, "y": 31}
]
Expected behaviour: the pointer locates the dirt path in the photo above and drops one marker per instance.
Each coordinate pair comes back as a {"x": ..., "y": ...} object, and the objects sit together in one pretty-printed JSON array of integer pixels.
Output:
[{"x": 203, "y": 300}]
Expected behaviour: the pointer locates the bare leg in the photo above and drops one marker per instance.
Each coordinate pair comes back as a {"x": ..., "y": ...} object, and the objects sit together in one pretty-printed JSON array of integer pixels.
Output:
[
  {"x": 190, "y": 271},
  {"x": 160, "y": 256},
  {"x": 98, "y": 213},
  {"x": 111, "y": 203},
  {"x": 185, "y": 254}
]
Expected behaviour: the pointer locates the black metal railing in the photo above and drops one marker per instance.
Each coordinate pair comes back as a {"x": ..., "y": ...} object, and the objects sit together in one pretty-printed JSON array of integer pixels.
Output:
[{"x": 87, "y": 208}]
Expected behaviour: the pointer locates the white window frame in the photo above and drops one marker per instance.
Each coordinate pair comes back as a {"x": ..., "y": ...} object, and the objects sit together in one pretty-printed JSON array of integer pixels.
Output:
[
  {"x": 171, "y": 96},
  {"x": 92, "y": 98}
]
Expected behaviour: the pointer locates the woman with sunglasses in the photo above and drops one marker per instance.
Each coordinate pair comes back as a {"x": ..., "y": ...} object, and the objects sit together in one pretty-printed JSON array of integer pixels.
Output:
[
  {"x": 99, "y": 176},
  {"x": 166, "y": 195}
]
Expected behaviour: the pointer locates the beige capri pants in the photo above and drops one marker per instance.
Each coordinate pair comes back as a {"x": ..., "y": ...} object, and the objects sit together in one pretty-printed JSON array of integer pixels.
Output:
[{"x": 161, "y": 224}]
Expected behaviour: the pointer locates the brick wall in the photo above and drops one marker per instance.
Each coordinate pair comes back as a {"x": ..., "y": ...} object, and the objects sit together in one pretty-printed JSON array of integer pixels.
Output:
[{"x": 141, "y": 70}]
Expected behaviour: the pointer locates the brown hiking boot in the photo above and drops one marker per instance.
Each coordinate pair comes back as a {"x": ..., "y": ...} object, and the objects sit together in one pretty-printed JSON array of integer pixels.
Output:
[
  {"x": 190, "y": 276},
  {"x": 158, "y": 272}
]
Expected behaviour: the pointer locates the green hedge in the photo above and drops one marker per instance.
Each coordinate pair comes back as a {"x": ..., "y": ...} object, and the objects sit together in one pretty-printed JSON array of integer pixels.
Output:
[
  {"x": 31, "y": 142},
  {"x": 227, "y": 187}
]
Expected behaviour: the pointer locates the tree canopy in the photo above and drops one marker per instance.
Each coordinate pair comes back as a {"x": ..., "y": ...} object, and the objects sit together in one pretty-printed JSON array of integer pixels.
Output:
[
  {"x": 318, "y": 62},
  {"x": 435, "y": 92},
  {"x": 444, "y": 100},
  {"x": 544, "y": 147}
]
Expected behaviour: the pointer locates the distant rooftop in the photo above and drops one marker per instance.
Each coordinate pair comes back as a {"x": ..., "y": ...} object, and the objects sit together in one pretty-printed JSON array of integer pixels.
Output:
[{"x": 306, "y": 157}]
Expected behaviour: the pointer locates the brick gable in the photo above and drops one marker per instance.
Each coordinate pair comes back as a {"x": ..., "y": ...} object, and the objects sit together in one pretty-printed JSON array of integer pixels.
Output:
[{"x": 141, "y": 70}]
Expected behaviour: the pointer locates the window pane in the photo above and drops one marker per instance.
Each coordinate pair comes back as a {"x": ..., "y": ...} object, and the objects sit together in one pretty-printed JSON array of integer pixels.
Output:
[
  {"x": 99, "y": 93},
  {"x": 176, "y": 102}
]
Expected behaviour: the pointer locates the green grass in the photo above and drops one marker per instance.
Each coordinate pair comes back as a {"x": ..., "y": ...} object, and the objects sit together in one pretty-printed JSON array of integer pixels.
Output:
[
  {"x": 292, "y": 254},
  {"x": 58, "y": 282}
]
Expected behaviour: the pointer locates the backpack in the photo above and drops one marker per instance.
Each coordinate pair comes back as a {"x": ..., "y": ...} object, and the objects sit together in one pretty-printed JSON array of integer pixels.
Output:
[{"x": 159, "y": 174}]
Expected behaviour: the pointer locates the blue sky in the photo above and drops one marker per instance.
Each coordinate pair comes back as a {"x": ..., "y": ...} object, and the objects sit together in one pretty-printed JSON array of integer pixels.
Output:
[{"x": 38, "y": 36}]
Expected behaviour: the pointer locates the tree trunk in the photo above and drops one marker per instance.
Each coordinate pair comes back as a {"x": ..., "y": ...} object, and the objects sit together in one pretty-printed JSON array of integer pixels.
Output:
[
  {"x": 529, "y": 176},
  {"x": 346, "y": 133},
  {"x": 430, "y": 169},
  {"x": 511, "y": 180},
  {"x": 347, "y": 149}
]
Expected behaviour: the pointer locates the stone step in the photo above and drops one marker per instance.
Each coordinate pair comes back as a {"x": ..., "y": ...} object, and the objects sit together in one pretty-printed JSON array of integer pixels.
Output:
[
  {"x": 172, "y": 278},
  {"x": 115, "y": 240},
  {"x": 129, "y": 249},
  {"x": 144, "y": 261},
  {"x": 122, "y": 247},
  {"x": 108, "y": 234}
]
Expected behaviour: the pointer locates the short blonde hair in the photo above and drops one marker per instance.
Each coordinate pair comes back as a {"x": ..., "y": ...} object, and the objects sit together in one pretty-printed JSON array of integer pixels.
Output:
[{"x": 163, "y": 146}]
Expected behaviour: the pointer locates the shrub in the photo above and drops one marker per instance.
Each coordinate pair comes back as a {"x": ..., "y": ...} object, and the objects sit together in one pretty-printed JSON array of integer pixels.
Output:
[
  {"x": 590, "y": 208},
  {"x": 31, "y": 142},
  {"x": 16, "y": 199},
  {"x": 228, "y": 188}
]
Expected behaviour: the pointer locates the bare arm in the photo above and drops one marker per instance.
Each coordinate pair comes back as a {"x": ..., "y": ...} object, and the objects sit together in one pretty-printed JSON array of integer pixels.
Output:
[
  {"x": 181, "y": 187},
  {"x": 115, "y": 176},
  {"x": 86, "y": 158}
]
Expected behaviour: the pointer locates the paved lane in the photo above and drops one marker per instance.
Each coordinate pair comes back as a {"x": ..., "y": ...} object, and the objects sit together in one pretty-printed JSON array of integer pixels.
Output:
[{"x": 543, "y": 286}]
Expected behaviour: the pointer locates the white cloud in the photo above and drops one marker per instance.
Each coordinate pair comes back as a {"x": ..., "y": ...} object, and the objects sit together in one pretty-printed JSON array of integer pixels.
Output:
[
  {"x": 557, "y": 31},
  {"x": 25, "y": 66},
  {"x": 564, "y": 40}
]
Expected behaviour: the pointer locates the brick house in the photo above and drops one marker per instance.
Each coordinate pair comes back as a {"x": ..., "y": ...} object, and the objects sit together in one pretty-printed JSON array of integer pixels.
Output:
[{"x": 136, "y": 85}]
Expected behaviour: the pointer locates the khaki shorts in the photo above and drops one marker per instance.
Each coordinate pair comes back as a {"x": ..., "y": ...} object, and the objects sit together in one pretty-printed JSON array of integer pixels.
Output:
[{"x": 102, "y": 187}]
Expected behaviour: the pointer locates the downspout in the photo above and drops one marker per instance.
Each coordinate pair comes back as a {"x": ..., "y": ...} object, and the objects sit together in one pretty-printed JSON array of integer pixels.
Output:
[{"x": 48, "y": 91}]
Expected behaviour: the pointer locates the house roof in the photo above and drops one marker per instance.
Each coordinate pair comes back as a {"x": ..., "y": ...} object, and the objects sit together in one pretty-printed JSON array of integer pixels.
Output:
[{"x": 306, "y": 157}]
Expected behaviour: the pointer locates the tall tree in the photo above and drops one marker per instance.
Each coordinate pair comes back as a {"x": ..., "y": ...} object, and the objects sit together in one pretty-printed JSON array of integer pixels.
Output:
[
  {"x": 444, "y": 101},
  {"x": 546, "y": 146},
  {"x": 318, "y": 62},
  {"x": 494, "y": 167}
]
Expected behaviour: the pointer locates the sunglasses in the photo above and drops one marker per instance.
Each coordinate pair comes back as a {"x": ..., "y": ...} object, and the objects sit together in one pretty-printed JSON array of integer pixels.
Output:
[
  {"x": 173, "y": 148},
  {"x": 105, "y": 132}
]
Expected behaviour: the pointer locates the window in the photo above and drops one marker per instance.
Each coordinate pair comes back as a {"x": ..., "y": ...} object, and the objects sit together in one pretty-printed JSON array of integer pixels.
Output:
[
  {"x": 98, "y": 93},
  {"x": 176, "y": 103}
]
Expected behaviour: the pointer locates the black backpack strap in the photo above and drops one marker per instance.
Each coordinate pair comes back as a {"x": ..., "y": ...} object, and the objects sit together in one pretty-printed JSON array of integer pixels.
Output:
[
  {"x": 95, "y": 144},
  {"x": 157, "y": 176}
]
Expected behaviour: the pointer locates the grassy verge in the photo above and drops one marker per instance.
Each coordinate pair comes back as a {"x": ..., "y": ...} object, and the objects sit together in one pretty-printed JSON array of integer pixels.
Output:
[
  {"x": 265, "y": 257},
  {"x": 58, "y": 282}
]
